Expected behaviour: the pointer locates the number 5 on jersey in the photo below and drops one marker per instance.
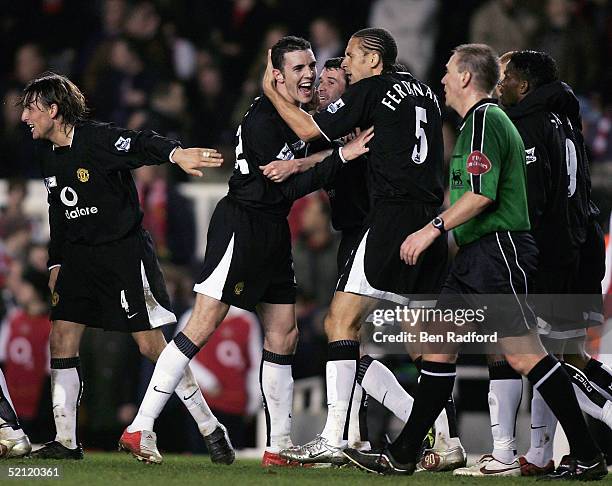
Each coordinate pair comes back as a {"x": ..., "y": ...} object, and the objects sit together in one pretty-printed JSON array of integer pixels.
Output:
[{"x": 419, "y": 153}]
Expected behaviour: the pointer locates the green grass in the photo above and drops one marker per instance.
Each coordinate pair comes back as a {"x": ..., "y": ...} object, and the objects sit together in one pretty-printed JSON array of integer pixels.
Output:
[{"x": 111, "y": 469}]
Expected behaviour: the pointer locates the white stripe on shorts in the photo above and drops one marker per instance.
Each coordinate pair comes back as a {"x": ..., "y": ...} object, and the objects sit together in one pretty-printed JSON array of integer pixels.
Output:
[
  {"x": 213, "y": 285},
  {"x": 357, "y": 282}
]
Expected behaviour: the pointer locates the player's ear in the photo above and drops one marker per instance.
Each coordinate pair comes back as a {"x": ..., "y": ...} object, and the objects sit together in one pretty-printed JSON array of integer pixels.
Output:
[
  {"x": 375, "y": 60},
  {"x": 465, "y": 78},
  {"x": 278, "y": 75},
  {"x": 53, "y": 110},
  {"x": 524, "y": 87}
]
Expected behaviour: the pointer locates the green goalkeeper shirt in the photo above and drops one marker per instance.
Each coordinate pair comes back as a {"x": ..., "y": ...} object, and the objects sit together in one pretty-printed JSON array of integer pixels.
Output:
[{"x": 489, "y": 159}]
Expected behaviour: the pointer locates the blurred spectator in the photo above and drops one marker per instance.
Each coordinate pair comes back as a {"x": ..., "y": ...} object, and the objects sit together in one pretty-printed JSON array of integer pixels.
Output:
[
  {"x": 569, "y": 39},
  {"x": 24, "y": 349},
  {"x": 143, "y": 28},
  {"x": 252, "y": 84},
  {"x": 29, "y": 63},
  {"x": 315, "y": 251},
  {"x": 227, "y": 370},
  {"x": 212, "y": 107},
  {"x": 183, "y": 52},
  {"x": 12, "y": 213},
  {"x": 326, "y": 41},
  {"x": 123, "y": 86},
  {"x": 412, "y": 24},
  {"x": 168, "y": 216},
  {"x": 15, "y": 140},
  {"x": 504, "y": 25},
  {"x": 237, "y": 27}
]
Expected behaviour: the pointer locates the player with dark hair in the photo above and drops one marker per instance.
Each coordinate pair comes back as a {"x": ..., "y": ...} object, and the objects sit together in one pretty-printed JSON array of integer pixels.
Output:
[
  {"x": 497, "y": 255},
  {"x": 248, "y": 253},
  {"x": 405, "y": 173},
  {"x": 570, "y": 242},
  {"x": 103, "y": 269}
]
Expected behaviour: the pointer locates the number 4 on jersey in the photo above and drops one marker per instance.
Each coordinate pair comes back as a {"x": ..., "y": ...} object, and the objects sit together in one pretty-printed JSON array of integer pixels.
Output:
[{"x": 241, "y": 163}]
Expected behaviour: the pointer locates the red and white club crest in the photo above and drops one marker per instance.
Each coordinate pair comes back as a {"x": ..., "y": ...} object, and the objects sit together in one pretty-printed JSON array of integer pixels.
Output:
[{"x": 478, "y": 163}]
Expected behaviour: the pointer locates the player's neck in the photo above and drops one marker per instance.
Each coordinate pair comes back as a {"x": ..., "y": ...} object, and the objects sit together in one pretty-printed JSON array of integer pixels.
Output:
[
  {"x": 62, "y": 135},
  {"x": 469, "y": 100}
]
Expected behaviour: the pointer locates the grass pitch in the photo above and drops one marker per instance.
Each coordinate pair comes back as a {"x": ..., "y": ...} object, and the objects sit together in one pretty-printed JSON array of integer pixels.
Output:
[{"x": 110, "y": 469}]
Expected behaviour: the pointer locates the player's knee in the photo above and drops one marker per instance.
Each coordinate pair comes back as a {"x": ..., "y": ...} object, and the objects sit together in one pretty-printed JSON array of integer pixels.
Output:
[
  {"x": 149, "y": 350},
  {"x": 520, "y": 363}
]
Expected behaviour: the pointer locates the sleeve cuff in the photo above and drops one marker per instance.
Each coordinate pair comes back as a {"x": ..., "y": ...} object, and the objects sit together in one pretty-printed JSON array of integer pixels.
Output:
[
  {"x": 54, "y": 266},
  {"x": 341, "y": 156},
  {"x": 172, "y": 153}
]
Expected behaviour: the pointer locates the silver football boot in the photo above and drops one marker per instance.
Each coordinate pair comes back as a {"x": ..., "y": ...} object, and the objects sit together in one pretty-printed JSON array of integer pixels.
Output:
[
  {"x": 19, "y": 447},
  {"x": 317, "y": 451},
  {"x": 439, "y": 459}
]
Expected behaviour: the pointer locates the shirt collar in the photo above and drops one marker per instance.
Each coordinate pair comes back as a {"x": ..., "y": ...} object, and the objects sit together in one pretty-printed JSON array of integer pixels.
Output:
[
  {"x": 71, "y": 135},
  {"x": 484, "y": 101}
]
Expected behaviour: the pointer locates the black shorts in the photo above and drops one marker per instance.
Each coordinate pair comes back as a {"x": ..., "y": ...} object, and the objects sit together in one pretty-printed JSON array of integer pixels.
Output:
[
  {"x": 375, "y": 269},
  {"x": 349, "y": 242},
  {"x": 248, "y": 258},
  {"x": 581, "y": 305},
  {"x": 496, "y": 273},
  {"x": 117, "y": 286}
]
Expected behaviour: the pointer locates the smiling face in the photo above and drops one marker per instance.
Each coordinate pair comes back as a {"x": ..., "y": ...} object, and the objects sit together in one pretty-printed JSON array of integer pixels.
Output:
[
  {"x": 40, "y": 119},
  {"x": 331, "y": 86},
  {"x": 298, "y": 75},
  {"x": 357, "y": 62}
]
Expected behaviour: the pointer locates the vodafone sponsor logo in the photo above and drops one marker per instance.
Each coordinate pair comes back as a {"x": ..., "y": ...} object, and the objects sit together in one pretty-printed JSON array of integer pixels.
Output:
[
  {"x": 478, "y": 163},
  {"x": 70, "y": 198}
]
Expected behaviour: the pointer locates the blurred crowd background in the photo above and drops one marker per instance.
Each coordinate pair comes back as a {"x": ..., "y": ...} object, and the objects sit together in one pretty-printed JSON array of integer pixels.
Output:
[{"x": 189, "y": 69}]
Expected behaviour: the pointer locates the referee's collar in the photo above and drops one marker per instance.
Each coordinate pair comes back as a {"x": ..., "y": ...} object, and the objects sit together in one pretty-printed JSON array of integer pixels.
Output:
[{"x": 484, "y": 101}]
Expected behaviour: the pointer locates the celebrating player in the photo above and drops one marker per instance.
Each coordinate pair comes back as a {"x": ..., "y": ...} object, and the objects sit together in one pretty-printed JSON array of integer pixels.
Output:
[
  {"x": 405, "y": 176},
  {"x": 248, "y": 253},
  {"x": 103, "y": 269}
]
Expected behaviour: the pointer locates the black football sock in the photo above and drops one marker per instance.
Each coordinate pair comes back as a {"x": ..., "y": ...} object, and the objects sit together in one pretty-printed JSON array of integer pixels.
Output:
[
  {"x": 435, "y": 386},
  {"x": 553, "y": 383}
]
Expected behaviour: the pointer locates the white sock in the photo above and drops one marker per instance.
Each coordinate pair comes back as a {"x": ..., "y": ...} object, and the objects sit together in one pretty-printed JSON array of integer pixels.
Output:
[
  {"x": 169, "y": 370},
  {"x": 380, "y": 383},
  {"x": 504, "y": 400},
  {"x": 66, "y": 390},
  {"x": 543, "y": 425},
  {"x": 355, "y": 441},
  {"x": 340, "y": 376},
  {"x": 277, "y": 388},
  {"x": 190, "y": 394},
  {"x": 7, "y": 431}
]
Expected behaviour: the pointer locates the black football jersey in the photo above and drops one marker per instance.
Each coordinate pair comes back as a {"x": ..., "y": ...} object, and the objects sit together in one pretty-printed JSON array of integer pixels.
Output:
[
  {"x": 557, "y": 170},
  {"x": 405, "y": 161},
  {"x": 91, "y": 193},
  {"x": 264, "y": 137}
]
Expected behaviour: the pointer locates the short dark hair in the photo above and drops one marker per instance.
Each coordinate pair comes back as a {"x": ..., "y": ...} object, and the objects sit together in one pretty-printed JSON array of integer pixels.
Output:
[
  {"x": 336, "y": 63},
  {"x": 289, "y": 43},
  {"x": 50, "y": 88},
  {"x": 535, "y": 67},
  {"x": 480, "y": 60},
  {"x": 381, "y": 41}
]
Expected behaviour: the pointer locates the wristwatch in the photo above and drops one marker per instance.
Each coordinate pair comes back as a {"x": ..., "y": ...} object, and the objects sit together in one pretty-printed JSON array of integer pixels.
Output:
[{"x": 438, "y": 223}]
